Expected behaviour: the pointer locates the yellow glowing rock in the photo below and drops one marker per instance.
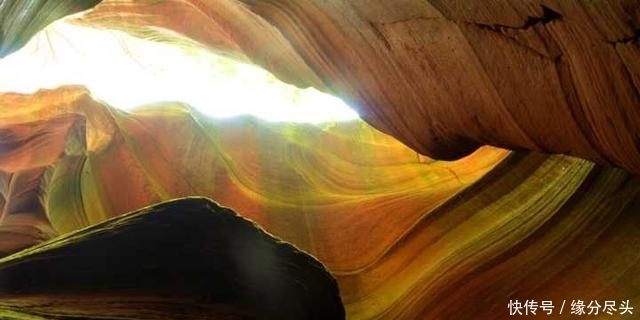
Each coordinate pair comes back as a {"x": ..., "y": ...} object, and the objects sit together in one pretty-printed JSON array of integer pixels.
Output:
[{"x": 405, "y": 236}]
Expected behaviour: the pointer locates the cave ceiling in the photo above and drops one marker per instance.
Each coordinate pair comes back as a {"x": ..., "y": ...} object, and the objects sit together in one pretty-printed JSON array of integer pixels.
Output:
[{"x": 496, "y": 159}]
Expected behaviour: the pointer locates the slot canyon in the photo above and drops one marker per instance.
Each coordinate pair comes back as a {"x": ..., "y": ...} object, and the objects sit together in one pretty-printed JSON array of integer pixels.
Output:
[{"x": 495, "y": 162}]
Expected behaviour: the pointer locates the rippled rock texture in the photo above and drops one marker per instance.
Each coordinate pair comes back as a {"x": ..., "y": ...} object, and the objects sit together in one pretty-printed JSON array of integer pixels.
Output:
[
  {"x": 406, "y": 236},
  {"x": 444, "y": 77}
]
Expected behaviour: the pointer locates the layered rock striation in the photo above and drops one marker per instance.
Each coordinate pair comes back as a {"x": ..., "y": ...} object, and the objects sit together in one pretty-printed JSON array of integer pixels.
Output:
[
  {"x": 442, "y": 77},
  {"x": 406, "y": 236}
]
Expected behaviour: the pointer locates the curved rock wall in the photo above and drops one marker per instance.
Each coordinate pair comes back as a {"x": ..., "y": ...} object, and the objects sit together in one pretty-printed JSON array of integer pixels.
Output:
[
  {"x": 443, "y": 77},
  {"x": 406, "y": 236},
  {"x": 301, "y": 182}
]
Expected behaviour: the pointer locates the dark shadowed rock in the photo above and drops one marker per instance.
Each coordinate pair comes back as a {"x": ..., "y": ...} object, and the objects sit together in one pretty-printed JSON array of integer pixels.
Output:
[{"x": 187, "y": 258}]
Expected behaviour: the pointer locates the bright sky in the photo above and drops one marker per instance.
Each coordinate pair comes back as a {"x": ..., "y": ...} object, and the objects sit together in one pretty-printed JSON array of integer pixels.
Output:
[{"x": 126, "y": 72}]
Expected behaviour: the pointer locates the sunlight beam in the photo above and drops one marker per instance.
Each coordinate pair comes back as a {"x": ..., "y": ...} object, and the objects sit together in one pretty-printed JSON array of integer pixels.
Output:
[{"x": 127, "y": 72}]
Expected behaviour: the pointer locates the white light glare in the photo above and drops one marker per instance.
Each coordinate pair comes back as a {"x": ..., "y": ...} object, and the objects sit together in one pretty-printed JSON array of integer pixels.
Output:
[{"x": 126, "y": 72}]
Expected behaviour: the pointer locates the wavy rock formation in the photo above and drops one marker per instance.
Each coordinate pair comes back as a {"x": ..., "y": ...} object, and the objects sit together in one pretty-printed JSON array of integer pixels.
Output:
[
  {"x": 113, "y": 162},
  {"x": 444, "y": 77},
  {"x": 188, "y": 258},
  {"x": 406, "y": 236}
]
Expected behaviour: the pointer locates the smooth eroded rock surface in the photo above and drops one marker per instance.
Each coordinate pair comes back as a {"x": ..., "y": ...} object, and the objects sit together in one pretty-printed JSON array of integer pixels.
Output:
[
  {"x": 406, "y": 236},
  {"x": 444, "y": 77}
]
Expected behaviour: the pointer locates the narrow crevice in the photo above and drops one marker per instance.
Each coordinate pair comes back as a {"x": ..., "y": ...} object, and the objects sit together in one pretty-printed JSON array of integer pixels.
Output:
[
  {"x": 531, "y": 24},
  {"x": 548, "y": 15},
  {"x": 380, "y": 36},
  {"x": 627, "y": 40}
]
